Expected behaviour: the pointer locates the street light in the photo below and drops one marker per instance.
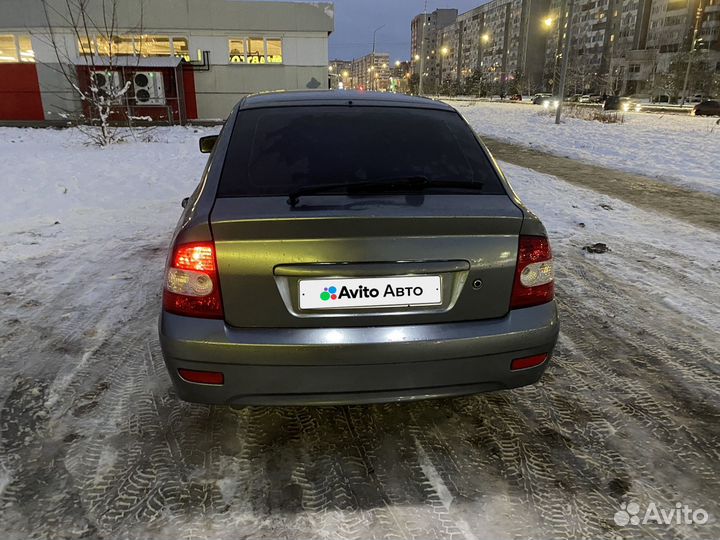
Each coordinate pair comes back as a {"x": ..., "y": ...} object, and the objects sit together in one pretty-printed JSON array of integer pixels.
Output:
[
  {"x": 548, "y": 21},
  {"x": 373, "y": 49},
  {"x": 417, "y": 57},
  {"x": 485, "y": 38},
  {"x": 397, "y": 63},
  {"x": 443, "y": 53}
]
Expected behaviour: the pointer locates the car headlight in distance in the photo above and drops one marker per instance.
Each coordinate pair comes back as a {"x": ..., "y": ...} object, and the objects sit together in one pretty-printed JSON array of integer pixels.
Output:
[
  {"x": 556, "y": 103},
  {"x": 638, "y": 107},
  {"x": 546, "y": 104},
  {"x": 626, "y": 107}
]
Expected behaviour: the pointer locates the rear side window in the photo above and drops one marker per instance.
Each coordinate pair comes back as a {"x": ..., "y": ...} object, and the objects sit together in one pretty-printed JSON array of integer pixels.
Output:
[{"x": 275, "y": 151}]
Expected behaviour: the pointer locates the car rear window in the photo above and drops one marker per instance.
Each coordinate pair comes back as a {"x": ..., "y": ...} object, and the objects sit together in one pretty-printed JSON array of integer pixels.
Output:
[{"x": 275, "y": 151}]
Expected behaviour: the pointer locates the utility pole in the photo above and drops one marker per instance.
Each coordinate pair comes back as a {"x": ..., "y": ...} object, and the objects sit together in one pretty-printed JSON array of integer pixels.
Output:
[
  {"x": 696, "y": 29},
  {"x": 372, "y": 63},
  {"x": 566, "y": 58}
]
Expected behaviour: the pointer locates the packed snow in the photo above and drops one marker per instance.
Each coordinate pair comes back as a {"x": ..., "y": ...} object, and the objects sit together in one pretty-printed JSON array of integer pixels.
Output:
[{"x": 678, "y": 149}]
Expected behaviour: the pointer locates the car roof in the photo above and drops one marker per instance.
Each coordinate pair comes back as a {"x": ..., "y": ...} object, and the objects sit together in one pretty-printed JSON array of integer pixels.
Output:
[{"x": 339, "y": 97}]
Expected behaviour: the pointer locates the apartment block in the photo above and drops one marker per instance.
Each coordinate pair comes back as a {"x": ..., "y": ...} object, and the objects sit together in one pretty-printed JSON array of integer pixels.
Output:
[
  {"x": 617, "y": 46},
  {"x": 371, "y": 72},
  {"x": 424, "y": 44},
  {"x": 502, "y": 40}
]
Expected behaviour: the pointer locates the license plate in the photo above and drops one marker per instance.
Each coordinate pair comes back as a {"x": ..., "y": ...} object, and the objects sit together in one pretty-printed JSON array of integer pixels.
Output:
[{"x": 348, "y": 293}]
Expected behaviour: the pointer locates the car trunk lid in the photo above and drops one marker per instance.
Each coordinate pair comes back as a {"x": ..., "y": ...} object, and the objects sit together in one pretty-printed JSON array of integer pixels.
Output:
[{"x": 270, "y": 254}]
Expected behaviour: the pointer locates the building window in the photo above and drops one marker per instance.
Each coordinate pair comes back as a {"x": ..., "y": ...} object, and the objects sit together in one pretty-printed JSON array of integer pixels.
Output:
[
  {"x": 85, "y": 46},
  {"x": 181, "y": 47},
  {"x": 115, "y": 46},
  {"x": 26, "y": 51},
  {"x": 153, "y": 46},
  {"x": 274, "y": 51},
  {"x": 8, "y": 50},
  {"x": 255, "y": 50},
  {"x": 16, "y": 50},
  {"x": 135, "y": 45},
  {"x": 237, "y": 51},
  {"x": 634, "y": 68}
]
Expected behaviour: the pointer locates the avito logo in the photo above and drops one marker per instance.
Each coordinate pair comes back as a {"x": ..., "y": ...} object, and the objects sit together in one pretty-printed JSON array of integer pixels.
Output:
[{"x": 329, "y": 293}]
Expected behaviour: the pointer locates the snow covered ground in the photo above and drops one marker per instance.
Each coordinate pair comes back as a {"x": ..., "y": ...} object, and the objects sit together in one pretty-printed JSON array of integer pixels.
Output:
[
  {"x": 94, "y": 442},
  {"x": 50, "y": 176},
  {"x": 677, "y": 149}
]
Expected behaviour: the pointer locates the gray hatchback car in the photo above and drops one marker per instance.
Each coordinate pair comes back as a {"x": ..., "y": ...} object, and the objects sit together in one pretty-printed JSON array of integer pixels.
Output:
[{"x": 350, "y": 247}]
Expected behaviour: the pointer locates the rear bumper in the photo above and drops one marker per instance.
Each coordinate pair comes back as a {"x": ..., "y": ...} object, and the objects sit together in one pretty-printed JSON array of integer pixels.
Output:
[{"x": 327, "y": 366}]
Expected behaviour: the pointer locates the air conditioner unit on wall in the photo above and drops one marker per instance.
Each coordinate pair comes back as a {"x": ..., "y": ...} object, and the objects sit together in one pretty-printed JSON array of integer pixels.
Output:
[
  {"x": 107, "y": 82},
  {"x": 149, "y": 88}
]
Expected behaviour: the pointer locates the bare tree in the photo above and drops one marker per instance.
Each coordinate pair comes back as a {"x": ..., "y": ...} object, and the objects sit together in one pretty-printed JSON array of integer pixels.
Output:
[{"x": 92, "y": 27}]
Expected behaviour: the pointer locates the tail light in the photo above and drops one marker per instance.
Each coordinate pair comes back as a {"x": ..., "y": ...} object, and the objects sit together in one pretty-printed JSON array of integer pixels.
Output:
[
  {"x": 192, "y": 287},
  {"x": 528, "y": 362},
  {"x": 202, "y": 377},
  {"x": 534, "y": 279}
]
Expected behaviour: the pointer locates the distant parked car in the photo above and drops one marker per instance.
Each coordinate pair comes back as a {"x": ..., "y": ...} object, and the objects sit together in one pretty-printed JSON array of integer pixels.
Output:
[
  {"x": 585, "y": 98},
  {"x": 664, "y": 98},
  {"x": 708, "y": 107},
  {"x": 540, "y": 97},
  {"x": 575, "y": 98},
  {"x": 516, "y": 97},
  {"x": 353, "y": 247},
  {"x": 625, "y": 104}
]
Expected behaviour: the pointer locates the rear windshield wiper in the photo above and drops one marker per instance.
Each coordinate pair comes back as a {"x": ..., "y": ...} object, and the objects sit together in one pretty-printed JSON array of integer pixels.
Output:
[{"x": 383, "y": 185}]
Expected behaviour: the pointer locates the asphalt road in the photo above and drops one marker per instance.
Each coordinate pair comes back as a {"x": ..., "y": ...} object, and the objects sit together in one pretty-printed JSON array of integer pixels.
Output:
[{"x": 95, "y": 444}]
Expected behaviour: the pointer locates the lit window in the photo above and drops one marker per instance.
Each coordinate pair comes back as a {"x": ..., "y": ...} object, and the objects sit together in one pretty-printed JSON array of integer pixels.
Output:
[
  {"x": 26, "y": 51},
  {"x": 116, "y": 46},
  {"x": 85, "y": 45},
  {"x": 181, "y": 47},
  {"x": 274, "y": 51},
  {"x": 145, "y": 45},
  {"x": 256, "y": 51},
  {"x": 8, "y": 50},
  {"x": 237, "y": 51},
  {"x": 153, "y": 46}
]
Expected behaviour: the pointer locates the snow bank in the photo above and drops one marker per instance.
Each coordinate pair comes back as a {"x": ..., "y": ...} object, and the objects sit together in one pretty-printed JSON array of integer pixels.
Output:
[{"x": 673, "y": 148}]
